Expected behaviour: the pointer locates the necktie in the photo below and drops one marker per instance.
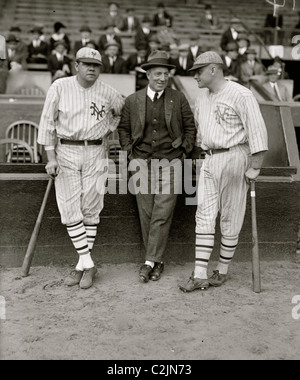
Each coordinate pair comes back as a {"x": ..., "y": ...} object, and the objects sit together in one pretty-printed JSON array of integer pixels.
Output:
[
  {"x": 276, "y": 91},
  {"x": 155, "y": 97}
]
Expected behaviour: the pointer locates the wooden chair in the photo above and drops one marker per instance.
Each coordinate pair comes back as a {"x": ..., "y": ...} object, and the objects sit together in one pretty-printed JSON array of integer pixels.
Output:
[
  {"x": 17, "y": 150},
  {"x": 26, "y": 131}
]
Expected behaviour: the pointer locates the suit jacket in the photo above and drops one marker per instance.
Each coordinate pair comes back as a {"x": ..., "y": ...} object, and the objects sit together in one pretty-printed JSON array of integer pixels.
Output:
[
  {"x": 285, "y": 96},
  {"x": 120, "y": 66},
  {"x": 245, "y": 71},
  {"x": 206, "y": 24},
  {"x": 232, "y": 69},
  {"x": 136, "y": 24},
  {"x": 178, "y": 115},
  {"x": 141, "y": 37},
  {"x": 179, "y": 70},
  {"x": 43, "y": 49},
  {"x": 226, "y": 38},
  {"x": 54, "y": 64},
  {"x": 132, "y": 62}
]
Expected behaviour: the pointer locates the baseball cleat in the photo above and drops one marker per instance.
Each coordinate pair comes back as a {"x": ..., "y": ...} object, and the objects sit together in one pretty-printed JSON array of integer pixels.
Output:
[
  {"x": 194, "y": 284},
  {"x": 217, "y": 279},
  {"x": 74, "y": 278},
  {"x": 87, "y": 278},
  {"x": 157, "y": 271}
]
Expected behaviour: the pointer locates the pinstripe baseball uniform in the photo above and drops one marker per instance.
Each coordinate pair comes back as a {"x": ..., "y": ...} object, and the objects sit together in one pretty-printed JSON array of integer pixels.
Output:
[
  {"x": 72, "y": 112},
  {"x": 230, "y": 119}
]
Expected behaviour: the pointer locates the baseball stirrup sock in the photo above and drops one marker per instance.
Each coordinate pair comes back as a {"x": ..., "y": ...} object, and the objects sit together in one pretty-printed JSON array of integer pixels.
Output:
[
  {"x": 78, "y": 236},
  {"x": 227, "y": 249},
  {"x": 203, "y": 251},
  {"x": 91, "y": 232}
]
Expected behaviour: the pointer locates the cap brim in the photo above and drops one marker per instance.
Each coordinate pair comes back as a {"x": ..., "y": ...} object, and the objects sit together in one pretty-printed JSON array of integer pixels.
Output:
[
  {"x": 148, "y": 66},
  {"x": 196, "y": 67},
  {"x": 89, "y": 60}
]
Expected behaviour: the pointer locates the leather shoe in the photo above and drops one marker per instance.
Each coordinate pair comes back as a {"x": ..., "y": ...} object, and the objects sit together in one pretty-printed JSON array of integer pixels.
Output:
[
  {"x": 87, "y": 278},
  {"x": 145, "y": 272},
  {"x": 157, "y": 271},
  {"x": 74, "y": 278}
]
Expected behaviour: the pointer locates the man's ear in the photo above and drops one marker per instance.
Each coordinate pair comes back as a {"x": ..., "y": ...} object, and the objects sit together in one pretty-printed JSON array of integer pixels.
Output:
[{"x": 76, "y": 66}]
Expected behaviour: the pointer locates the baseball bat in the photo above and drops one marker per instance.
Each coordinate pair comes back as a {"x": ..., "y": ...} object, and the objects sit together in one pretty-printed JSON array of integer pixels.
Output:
[
  {"x": 31, "y": 246},
  {"x": 255, "y": 250}
]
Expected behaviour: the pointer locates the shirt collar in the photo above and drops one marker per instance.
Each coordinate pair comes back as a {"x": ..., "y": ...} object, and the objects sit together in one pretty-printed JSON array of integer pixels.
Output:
[{"x": 151, "y": 93}]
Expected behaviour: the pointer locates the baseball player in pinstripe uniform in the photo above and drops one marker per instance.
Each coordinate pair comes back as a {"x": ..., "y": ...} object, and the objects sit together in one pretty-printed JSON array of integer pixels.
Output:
[
  {"x": 78, "y": 115},
  {"x": 232, "y": 133}
]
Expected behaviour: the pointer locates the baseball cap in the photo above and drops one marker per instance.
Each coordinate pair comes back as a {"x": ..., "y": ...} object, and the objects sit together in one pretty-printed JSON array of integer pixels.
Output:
[
  {"x": 88, "y": 55},
  {"x": 206, "y": 59}
]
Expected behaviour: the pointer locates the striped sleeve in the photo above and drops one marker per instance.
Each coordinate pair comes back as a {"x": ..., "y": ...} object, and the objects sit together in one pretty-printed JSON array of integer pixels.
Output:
[
  {"x": 254, "y": 124},
  {"x": 47, "y": 125}
]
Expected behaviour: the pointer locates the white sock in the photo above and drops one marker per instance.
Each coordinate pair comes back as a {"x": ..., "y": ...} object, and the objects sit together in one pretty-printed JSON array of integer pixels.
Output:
[
  {"x": 150, "y": 263},
  {"x": 87, "y": 262},
  {"x": 79, "y": 265}
]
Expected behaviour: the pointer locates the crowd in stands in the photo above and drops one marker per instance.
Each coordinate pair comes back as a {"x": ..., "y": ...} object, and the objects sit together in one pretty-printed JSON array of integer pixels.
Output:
[{"x": 150, "y": 33}]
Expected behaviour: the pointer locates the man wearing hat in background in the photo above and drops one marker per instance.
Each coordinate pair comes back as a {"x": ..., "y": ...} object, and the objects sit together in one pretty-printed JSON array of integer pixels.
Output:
[
  {"x": 251, "y": 69},
  {"x": 59, "y": 63},
  {"x": 157, "y": 126},
  {"x": 231, "y": 33},
  {"x": 78, "y": 115},
  {"x": 17, "y": 54},
  {"x": 85, "y": 32},
  {"x": 232, "y": 133},
  {"x": 112, "y": 63},
  {"x": 277, "y": 90},
  {"x": 38, "y": 50}
]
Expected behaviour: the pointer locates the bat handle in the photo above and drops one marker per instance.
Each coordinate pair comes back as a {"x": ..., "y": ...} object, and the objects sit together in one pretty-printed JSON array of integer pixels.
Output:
[{"x": 255, "y": 250}]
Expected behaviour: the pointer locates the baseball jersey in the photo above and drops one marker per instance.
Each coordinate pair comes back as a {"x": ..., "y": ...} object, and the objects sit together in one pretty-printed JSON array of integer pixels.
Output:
[
  {"x": 229, "y": 118},
  {"x": 76, "y": 113}
]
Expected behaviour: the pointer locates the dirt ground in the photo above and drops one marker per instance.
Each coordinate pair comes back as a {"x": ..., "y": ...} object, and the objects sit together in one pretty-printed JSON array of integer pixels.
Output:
[{"x": 122, "y": 319}]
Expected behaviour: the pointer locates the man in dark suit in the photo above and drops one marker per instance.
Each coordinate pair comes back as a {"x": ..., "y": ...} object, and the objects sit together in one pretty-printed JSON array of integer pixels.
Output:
[
  {"x": 109, "y": 36},
  {"x": 134, "y": 62},
  {"x": 59, "y": 63},
  {"x": 157, "y": 130},
  {"x": 275, "y": 22},
  {"x": 38, "y": 50},
  {"x": 112, "y": 63},
  {"x": 231, "y": 33},
  {"x": 130, "y": 22},
  {"x": 86, "y": 33}
]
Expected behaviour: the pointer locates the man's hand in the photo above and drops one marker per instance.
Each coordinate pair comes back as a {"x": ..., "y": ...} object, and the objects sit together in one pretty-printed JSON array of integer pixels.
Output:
[
  {"x": 252, "y": 173},
  {"x": 51, "y": 168}
]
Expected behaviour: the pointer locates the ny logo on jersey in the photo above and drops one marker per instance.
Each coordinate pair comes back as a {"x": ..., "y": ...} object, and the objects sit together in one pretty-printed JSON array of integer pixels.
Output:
[
  {"x": 221, "y": 114},
  {"x": 96, "y": 111}
]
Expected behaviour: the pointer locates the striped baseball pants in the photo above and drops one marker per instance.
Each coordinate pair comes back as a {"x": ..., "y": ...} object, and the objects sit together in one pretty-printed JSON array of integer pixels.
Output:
[
  {"x": 223, "y": 188},
  {"x": 80, "y": 183}
]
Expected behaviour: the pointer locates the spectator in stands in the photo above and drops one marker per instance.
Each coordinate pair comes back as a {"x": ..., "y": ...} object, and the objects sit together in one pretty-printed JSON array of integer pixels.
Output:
[
  {"x": 183, "y": 62},
  {"x": 92, "y": 44},
  {"x": 166, "y": 37},
  {"x": 17, "y": 58},
  {"x": 144, "y": 32},
  {"x": 86, "y": 33},
  {"x": 231, "y": 33},
  {"x": 109, "y": 36},
  {"x": 277, "y": 90},
  {"x": 244, "y": 43},
  {"x": 162, "y": 17},
  {"x": 209, "y": 20},
  {"x": 38, "y": 50},
  {"x": 280, "y": 65},
  {"x": 130, "y": 22},
  {"x": 114, "y": 18},
  {"x": 275, "y": 22},
  {"x": 59, "y": 63},
  {"x": 112, "y": 62},
  {"x": 195, "y": 48},
  {"x": 3, "y": 66},
  {"x": 250, "y": 69},
  {"x": 21, "y": 48},
  {"x": 230, "y": 61},
  {"x": 153, "y": 44},
  {"x": 134, "y": 62},
  {"x": 58, "y": 35}
]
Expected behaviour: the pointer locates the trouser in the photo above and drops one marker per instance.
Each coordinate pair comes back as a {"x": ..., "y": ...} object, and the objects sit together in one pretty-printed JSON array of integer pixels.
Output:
[
  {"x": 80, "y": 183},
  {"x": 223, "y": 188},
  {"x": 156, "y": 193}
]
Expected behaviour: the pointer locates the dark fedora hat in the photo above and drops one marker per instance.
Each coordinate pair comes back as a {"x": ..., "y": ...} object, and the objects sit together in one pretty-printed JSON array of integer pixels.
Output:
[{"x": 158, "y": 58}]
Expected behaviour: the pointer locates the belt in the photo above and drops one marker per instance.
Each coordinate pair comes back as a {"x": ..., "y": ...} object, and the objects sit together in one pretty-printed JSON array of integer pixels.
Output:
[
  {"x": 81, "y": 142},
  {"x": 210, "y": 152}
]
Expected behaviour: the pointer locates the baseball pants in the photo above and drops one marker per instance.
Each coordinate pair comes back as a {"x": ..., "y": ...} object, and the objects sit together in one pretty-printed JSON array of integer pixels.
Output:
[
  {"x": 223, "y": 188},
  {"x": 80, "y": 183}
]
